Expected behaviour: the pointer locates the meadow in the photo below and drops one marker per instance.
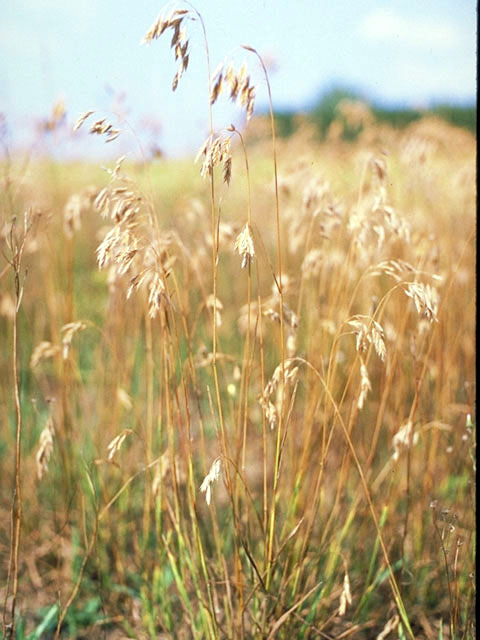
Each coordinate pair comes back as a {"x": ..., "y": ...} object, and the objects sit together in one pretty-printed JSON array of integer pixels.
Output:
[{"x": 237, "y": 395}]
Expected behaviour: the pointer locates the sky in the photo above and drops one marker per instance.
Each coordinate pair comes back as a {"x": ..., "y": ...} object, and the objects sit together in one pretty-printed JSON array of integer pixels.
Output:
[{"x": 88, "y": 53}]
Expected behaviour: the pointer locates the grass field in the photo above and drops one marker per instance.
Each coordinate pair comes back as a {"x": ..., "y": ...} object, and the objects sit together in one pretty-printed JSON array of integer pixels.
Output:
[{"x": 238, "y": 395}]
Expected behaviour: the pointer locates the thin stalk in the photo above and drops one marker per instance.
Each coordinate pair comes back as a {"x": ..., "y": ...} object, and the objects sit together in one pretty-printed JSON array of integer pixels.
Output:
[
  {"x": 17, "y": 248},
  {"x": 214, "y": 234},
  {"x": 78, "y": 583},
  {"x": 16, "y": 513},
  {"x": 149, "y": 423},
  {"x": 246, "y": 363},
  {"x": 393, "y": 583},
  {"x": 419, "y": 383},
  {"x": 271, "y": 531}
]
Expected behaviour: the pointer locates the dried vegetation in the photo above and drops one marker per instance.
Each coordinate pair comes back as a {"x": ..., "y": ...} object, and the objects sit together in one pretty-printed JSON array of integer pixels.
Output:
[{"x": 200, "y": 446}]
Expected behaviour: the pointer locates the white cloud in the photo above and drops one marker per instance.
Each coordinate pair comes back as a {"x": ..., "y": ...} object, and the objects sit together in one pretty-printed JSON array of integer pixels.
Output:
[{"x": 382, "y": 25}]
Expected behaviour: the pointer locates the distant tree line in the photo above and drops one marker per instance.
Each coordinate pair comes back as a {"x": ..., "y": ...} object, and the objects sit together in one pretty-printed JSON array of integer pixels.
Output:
[{"x": 326, "y": 110}]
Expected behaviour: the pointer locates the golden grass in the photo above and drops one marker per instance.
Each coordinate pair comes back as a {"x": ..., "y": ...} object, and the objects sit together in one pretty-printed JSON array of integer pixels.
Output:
[{"x": 241, "y": 406}]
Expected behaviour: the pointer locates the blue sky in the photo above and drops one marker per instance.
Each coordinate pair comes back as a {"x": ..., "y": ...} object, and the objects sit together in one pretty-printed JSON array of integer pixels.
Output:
[{"x": 88, "y": 52}]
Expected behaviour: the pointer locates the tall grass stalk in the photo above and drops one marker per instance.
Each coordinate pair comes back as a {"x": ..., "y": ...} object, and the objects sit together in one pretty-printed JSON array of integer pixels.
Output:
[{"x": 16, "y": 249}]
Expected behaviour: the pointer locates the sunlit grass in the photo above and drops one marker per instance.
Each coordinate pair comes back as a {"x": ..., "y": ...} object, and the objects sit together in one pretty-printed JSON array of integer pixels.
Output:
[{"x": 205, "y": 478}]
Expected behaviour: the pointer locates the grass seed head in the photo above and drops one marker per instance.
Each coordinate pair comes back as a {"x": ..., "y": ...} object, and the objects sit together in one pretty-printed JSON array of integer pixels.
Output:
[
  {"x": 68, "y": 331},
  {"x": 365, "y": 385},
  {"x": 45, "y": 448},
  {"x": 42, "y": 351},
  {"x": 425, "y": 298},
  {"x": 244, "y": 245},
  {"x": 345, "y": 596},
  {"x": 212, "y": 476},
  {"x": 401, "y": 440},
  {"x": 116, "y": 444}
]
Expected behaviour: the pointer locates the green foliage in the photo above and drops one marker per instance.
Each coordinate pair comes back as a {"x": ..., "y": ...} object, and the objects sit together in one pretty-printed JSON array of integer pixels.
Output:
[
  {"x": 399, "y": 117},
  {"x": 285, "y": 123},
  {"x": 459, "y": 116},
  {"x": 325, "y": 111},
  {"x": 78, "y": 619}
]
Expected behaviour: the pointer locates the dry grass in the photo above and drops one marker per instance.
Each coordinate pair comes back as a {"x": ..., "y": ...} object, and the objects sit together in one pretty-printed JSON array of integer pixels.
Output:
[{"x": 239, "y": 406}]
